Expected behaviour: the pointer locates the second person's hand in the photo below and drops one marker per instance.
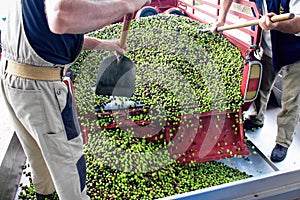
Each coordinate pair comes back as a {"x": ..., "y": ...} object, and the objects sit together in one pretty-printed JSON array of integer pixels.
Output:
[
  {"x": 265, "y": 22},
  {"x": 214, "y": 27}
]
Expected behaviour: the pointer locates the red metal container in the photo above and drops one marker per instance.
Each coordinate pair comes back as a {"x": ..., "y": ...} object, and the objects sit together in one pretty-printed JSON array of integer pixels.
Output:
[
  {"x": 209, "y": 136},
  {"x": 206, "y": 12},
  {"x": 195, "y": 138},
  {"x": 200, "y": 137}
]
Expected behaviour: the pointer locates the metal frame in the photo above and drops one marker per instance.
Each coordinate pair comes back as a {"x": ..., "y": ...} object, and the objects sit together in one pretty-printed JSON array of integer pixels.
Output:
[
  {"x": 11, "y": 169},
  {"x": 274, "y": 186},
  {"x": 191, "y": 9}
]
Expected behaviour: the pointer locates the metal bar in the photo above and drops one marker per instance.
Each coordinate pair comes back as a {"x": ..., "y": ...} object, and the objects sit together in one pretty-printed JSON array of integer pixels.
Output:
[
  {"x": 190, "y": 10},
  {"x": 271, "y": 164}
]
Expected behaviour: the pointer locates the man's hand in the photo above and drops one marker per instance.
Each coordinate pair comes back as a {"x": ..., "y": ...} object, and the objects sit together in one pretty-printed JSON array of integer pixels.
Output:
[
  {"x": 214, "y": 27},
  {"x": 265, "y": 22},
  {"x": 113, "y": 45},
  {"x": 92, "y": 43}
]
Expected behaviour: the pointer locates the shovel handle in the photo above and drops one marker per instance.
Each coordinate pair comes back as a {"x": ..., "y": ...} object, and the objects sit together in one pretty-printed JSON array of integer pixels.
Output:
[
  {"x": 125, "y": 29},
  {"x": 275, "y": 18}
]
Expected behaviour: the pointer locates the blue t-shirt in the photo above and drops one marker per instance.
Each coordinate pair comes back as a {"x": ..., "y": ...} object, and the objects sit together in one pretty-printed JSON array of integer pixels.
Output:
[{"x": 54, "y": 48}]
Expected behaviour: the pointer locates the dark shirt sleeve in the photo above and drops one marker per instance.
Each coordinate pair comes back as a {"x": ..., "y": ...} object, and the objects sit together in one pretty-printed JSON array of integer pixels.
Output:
[{"x": 54, "y": 48}]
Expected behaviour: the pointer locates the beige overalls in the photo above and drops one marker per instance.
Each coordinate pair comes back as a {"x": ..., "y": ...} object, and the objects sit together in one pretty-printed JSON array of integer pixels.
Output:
[{"x": 42, "y": 114}]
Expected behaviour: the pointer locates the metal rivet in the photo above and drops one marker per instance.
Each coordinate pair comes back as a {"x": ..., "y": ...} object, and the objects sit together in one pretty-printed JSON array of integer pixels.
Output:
[{"x": 58, "y": 92}]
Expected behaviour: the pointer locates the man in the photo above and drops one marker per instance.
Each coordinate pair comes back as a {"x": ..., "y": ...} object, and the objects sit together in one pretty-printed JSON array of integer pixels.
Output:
[
  {"x": 0, "y": 46},
  {"x": 39, "y": 39},
  {"x": 281, "y": 45}
]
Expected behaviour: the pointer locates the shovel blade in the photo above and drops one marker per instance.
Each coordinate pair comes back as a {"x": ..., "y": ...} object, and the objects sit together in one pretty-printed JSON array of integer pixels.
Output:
[{"x": 116, "y": 77}]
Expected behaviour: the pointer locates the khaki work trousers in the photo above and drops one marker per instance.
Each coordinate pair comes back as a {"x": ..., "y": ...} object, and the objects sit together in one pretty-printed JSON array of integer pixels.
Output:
[
  {"x": 288, "y": 117},
  {"x": 43, "y": 116}
]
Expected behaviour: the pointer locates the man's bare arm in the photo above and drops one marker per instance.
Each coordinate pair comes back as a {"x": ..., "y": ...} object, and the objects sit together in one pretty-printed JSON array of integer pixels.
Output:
[
  {"x": 91, "y": 43},
  {"x": 291, "y": 26},
  {"x": 224, "y": 8},
  {"x": 81, "y": 16}
]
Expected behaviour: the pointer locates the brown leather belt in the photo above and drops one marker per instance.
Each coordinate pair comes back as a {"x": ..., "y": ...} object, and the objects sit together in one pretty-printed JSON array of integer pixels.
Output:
[{"x": 33, "y": 72}]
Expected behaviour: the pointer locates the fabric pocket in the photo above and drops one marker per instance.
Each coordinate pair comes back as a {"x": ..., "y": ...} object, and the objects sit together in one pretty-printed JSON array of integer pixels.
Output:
[
  {"x": 57, "y": 147},
  {"x": 28, "y": 107}
]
